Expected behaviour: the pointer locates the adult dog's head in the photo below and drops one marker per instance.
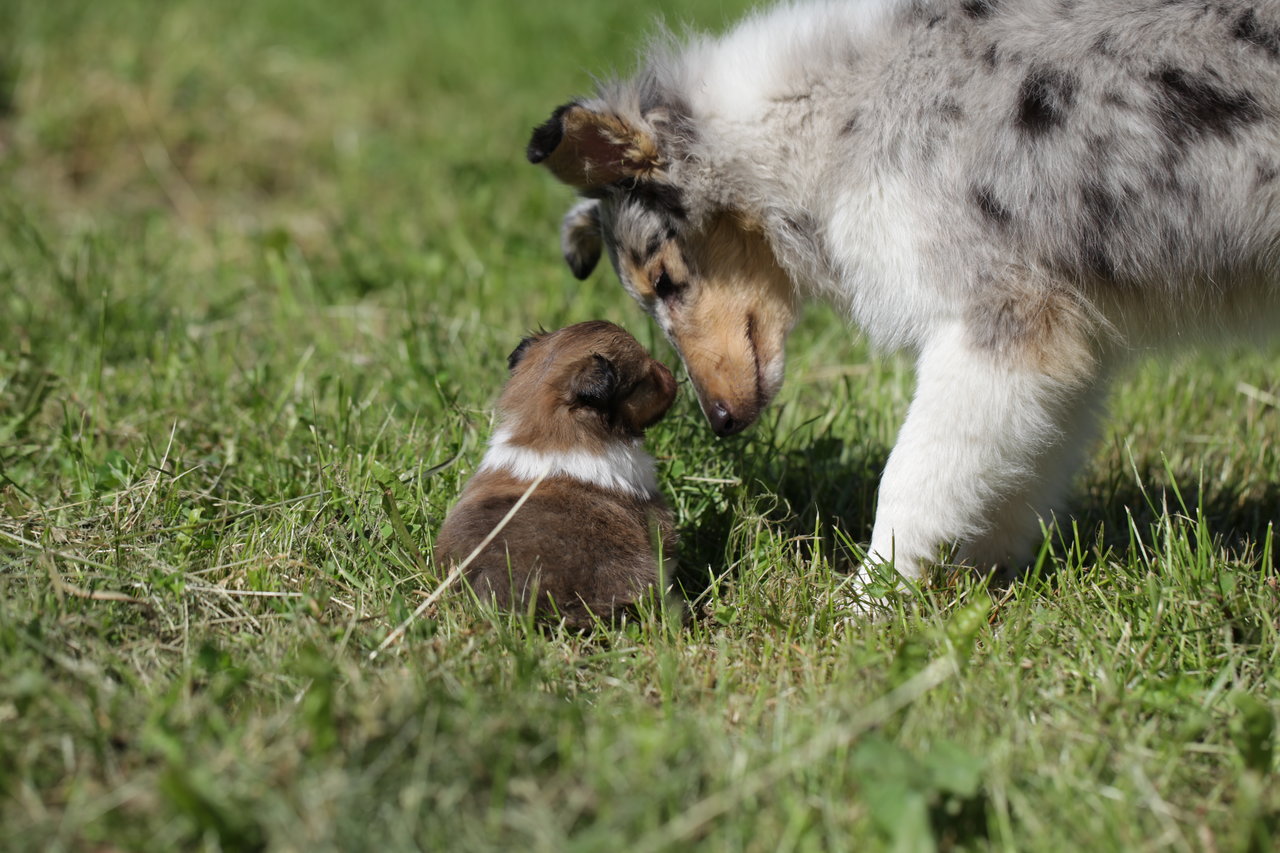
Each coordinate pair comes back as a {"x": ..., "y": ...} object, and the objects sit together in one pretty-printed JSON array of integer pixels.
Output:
[{"x": 701, "y": 269}]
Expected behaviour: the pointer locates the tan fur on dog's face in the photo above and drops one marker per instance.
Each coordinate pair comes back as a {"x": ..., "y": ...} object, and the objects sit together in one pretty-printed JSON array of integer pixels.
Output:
[
  {"x": 582, "y": 387},
  {"x": 709, "y": 279},
  {"x": 721, "y": 299}
]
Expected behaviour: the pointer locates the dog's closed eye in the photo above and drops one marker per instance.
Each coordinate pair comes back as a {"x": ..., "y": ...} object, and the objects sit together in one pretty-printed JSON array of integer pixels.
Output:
[{"x": 667, "y": 288}]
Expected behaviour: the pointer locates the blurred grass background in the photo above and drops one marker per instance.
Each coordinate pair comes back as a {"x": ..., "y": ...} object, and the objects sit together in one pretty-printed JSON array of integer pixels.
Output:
[{"x": 260, "y": 267}]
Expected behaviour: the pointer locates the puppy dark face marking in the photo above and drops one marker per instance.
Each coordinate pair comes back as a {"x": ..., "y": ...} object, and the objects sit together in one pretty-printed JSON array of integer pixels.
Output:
[
  {"x": 1190, "y": 107},
  {"x": 1045, "y": 98},
  {"x": 651, "y": 248},
  {"x": 668, "y": 289}
]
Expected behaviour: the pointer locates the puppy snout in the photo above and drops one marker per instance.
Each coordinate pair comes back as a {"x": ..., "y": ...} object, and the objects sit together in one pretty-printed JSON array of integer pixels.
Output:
[{"x": 724, "y": 421}]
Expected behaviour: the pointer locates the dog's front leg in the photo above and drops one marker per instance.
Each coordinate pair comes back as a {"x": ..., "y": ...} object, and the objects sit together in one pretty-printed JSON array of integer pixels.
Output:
[{"x": 987, "y": 449}]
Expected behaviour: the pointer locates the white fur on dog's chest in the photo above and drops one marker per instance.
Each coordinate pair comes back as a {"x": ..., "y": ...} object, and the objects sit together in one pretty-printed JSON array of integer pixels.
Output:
[
  {"x": 621, "y": 467},
  {"x": 874, "y": 235}
]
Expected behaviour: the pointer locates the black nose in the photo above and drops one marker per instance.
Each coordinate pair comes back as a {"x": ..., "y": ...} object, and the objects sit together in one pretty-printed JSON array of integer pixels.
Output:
[{"x": 723, "y": 421}]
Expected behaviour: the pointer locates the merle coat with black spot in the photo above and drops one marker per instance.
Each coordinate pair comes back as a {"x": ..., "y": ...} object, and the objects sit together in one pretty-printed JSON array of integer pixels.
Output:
[{"x": 1021, "y": 193}]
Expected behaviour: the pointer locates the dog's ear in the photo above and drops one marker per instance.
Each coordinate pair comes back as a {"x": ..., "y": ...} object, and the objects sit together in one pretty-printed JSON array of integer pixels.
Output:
[
  {"x": 589, "y": 149},
  {"x": 580, "y": 237},
  {"x": 517, "y": 354},
  {"x": 596, "y": 383}
]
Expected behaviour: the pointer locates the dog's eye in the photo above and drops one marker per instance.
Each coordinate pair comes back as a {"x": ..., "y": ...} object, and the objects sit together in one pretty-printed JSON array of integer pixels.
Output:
[{"x": 666, "y": 289}]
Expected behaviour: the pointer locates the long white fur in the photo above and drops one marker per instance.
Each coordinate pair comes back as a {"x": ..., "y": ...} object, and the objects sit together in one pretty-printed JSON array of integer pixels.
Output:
[
  {"x": 950, "y": 473},
  {"x": 775, "y": 54},
  {"x": 623, "y": 467}
]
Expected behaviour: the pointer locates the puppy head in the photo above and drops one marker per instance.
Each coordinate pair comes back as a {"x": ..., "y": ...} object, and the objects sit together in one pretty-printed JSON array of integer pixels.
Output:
[
  {"x": 704, "y": 272},
  {"x": 583, "y": 386}
]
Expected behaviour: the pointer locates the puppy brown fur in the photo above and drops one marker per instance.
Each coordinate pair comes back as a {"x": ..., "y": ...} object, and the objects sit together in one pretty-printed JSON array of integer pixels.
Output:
[{"x": 588, "y": 541}]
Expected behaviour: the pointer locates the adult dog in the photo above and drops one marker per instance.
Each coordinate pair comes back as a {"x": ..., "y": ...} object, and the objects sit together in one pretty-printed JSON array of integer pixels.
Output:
[{"x": 1020, "y": 193}]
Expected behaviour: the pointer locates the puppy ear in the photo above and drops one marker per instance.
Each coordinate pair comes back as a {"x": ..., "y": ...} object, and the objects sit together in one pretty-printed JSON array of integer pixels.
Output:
[
  {"x": 596, "y": 383},
  {"x": 517, "y": 354},
  {"x": 580, "y": 237},
  {"x": 588, "y": 149}
]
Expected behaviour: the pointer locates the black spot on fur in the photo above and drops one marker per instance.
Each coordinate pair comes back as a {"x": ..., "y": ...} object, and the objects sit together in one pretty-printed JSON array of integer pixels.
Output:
[
  {"x": 655, "y": 195},
  {"x": 1162, "y": 177},
  {"x": 595, "y": 386},
  {"x": 581, "y": 265},
  {"x": 546, "y": 136},
  {"x": 1191, "y": 107},
  {"x": 803, "y": 229},
  {"x": 1093, "y": 254},
  {"x": 950, "y": 109},
  {"x": 991, "y": 56},
  {"x": 918, "y": 9},
  {"x": 1044, "y": 100},
  {"x": 1267, "y": 173},
  {"x": 518, "y": 353},
  {"x": 1116, "y": 98},
  {"x": 933, "y": 22},
  {"x": 1248, "y": 30},
  {"x": 1100, "y": 212},
  {"x": 1099, "y": 205},
  {"x": 636, "y": 256},
  {"x": 668, "y": 289},
  {"x": 990, "y": 207},
  {"x": 1100, "y": 145},
  {"x": 651, "y": 248},
  {"x": 978, "y": 8},
  {"x": 850, "y": 127},
  {"x": 1104, "y": 44}
]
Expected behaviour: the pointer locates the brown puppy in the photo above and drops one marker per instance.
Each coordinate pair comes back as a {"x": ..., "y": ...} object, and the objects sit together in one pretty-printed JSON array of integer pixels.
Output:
[{"x": 586, "y": 541}]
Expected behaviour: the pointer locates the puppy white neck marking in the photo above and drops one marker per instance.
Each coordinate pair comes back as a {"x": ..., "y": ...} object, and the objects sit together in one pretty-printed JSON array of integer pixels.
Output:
[{"x": 622, "y": 467}]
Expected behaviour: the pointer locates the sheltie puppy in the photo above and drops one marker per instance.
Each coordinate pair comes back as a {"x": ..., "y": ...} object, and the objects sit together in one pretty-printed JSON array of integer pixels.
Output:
[{"x": 595, "y": 535}]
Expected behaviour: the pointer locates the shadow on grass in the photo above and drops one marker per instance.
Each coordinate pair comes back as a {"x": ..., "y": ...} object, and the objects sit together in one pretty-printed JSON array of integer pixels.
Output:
[
  {"x": 822, "y": 497},
  {"x": 1237, "y": 515},
  {"x": 818, "y": 497}
]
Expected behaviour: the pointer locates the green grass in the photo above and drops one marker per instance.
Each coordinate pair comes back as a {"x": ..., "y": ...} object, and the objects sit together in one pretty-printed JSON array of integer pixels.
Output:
[{"x": 260, "y": 265}]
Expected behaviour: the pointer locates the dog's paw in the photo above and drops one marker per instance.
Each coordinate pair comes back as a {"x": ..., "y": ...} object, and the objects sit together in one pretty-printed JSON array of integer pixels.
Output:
[{"x": 873, "y": 592}]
